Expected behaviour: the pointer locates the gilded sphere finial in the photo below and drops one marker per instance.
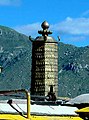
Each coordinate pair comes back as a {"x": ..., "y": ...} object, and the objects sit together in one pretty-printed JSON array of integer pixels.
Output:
[
  {"x": 45, "y": 32},
  {"x": 45, "y": 25}
]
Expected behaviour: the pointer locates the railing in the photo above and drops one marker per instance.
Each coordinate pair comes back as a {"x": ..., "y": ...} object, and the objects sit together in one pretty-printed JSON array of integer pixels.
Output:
[{"x": 18, "y": 91}]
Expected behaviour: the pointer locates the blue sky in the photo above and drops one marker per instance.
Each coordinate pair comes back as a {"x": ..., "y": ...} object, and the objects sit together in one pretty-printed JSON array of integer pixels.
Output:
[{"x": 68, "y": 19}]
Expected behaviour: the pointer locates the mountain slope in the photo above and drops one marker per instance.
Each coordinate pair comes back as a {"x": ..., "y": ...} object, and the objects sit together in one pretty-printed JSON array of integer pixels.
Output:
[
  {"x": 15, "y": 59},
  {"x": 74, "y": 72}
]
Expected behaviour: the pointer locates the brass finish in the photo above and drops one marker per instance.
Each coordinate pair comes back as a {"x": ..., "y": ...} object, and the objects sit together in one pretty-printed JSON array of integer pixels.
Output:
[
  {"x": 45, "y": 31},
  {"x": 44, "y": 63}
]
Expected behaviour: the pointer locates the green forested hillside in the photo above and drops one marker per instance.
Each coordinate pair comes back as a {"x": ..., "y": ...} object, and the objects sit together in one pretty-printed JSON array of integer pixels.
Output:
[{"x": 15, "y": 60}]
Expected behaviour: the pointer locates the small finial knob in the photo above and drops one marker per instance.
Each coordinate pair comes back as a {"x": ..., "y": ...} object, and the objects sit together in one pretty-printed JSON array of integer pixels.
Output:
[
  {"x": 45, "y": 25},
  {"x": 45, "y": 30}
]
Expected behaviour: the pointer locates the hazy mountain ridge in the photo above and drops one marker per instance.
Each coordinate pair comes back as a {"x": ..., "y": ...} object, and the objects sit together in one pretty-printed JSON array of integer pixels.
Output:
[{"x": 15, "y": 59}]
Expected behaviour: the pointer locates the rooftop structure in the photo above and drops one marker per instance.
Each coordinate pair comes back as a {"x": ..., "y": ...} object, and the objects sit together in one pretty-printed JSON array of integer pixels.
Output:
[{"x": 44, "y": 78}]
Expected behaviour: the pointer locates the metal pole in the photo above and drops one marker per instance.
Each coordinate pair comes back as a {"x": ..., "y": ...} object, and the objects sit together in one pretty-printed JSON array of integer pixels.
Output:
[{"x": 28, "y": 104}]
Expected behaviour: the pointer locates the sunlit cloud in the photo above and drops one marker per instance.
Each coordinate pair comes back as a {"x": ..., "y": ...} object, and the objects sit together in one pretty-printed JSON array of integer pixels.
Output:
[
  {"x": 10, "y": 2},
  {"x": 78, "y": 26},
  {"x": 29, "y": 29},
  {"x": 73, "y": 30}
]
